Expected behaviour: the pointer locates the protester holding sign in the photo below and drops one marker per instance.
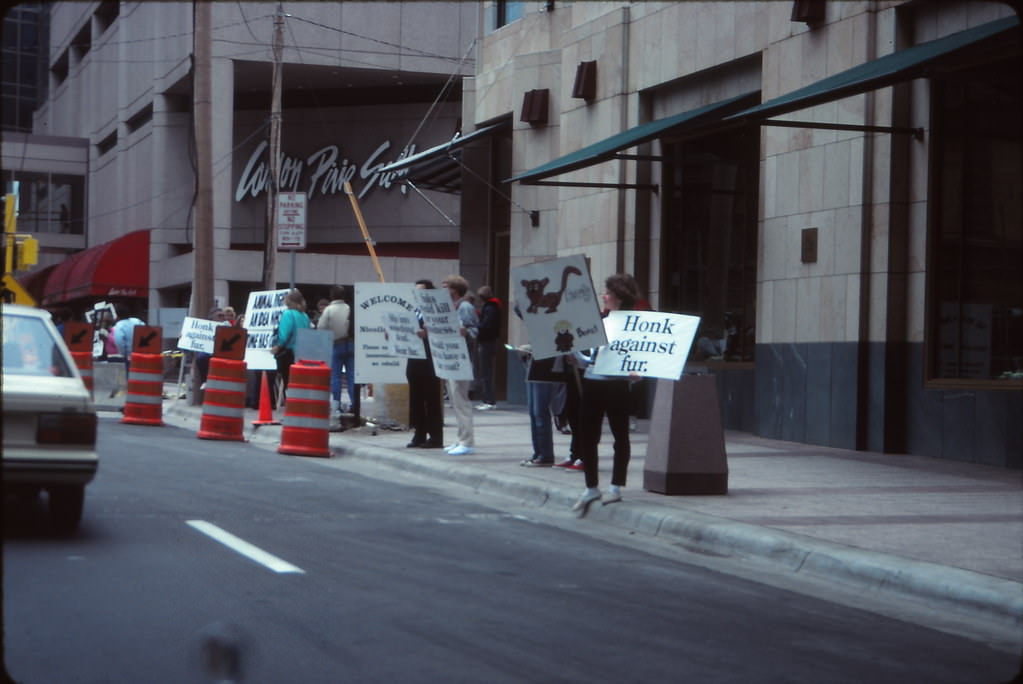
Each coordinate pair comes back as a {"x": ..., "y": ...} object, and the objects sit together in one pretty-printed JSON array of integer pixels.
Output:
[
  {"x": 606, "y": 395},
  {"x": 426, "y": 413},
  {"x": 293, "y": 319},
  {"x": 458, "y": 390},
  {"x": 202, "y": 358}
]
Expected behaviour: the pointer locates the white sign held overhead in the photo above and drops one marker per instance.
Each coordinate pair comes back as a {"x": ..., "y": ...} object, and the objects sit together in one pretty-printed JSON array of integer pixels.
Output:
[{"x": 291, "y": 213}]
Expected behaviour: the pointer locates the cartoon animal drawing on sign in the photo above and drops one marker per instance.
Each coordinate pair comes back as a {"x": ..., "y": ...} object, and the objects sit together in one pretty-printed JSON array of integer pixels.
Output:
[{"x": 539, "y": 299}]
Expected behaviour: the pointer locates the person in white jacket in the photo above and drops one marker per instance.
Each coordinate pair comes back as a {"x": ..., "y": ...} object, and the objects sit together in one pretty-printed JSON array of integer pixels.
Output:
[{"x": 337, "y": 318}]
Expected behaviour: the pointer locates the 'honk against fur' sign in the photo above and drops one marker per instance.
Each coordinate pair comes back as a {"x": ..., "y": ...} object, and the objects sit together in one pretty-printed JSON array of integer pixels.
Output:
[{"x": 650, "y": 343}]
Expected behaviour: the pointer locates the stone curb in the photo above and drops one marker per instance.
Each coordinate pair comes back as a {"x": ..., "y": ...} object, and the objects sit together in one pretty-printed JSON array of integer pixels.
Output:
[{"x": 953, "y": 588}]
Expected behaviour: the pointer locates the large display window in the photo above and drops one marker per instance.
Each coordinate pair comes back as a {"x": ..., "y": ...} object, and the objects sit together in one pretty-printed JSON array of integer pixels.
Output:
[
  {"x": 710, "y": 258},
  {"x": 975, "y": 270}
]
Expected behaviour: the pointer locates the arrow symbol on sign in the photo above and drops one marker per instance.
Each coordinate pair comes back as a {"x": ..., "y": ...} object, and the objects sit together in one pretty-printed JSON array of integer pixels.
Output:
[
  {"x": 77, "y": 337},
  {"x": 226, "y": 345},
  {"x": 146, "y": 339}
]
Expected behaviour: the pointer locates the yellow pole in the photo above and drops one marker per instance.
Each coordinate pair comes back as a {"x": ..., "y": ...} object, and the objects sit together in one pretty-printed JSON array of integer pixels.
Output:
[
  {"x": 10, "y": 225},
  {"x": 365, "y": 233}
]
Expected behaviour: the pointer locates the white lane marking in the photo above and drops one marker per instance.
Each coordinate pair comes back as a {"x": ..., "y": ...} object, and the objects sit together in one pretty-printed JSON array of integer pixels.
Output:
[{"x": 244, "y": 548}]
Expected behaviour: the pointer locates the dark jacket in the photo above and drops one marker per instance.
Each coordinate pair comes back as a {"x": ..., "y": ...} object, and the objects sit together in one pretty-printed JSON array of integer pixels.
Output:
[{"x": 490, "y": 320}]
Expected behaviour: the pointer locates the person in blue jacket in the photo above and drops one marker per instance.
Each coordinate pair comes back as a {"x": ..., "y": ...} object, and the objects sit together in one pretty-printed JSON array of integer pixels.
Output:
[{"x": 292, "y": 320}]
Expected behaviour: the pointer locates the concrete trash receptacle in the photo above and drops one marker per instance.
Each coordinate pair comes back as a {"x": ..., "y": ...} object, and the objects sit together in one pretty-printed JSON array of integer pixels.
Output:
[{"x": 686, "y": 448}]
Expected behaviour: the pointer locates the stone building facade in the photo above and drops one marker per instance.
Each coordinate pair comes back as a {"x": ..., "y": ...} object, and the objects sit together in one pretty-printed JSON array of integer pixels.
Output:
[{"x": 831, "y": 186}]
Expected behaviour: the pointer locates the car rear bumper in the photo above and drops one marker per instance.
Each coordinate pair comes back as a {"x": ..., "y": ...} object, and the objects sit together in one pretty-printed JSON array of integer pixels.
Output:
[{"x": 21, "y": 470}]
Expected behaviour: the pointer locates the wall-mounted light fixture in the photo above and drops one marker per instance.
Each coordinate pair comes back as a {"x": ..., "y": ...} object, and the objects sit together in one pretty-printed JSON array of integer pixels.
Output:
[
  {"x": 585, "y": 85},
  {"x": 808, "y": 11},
  {"x": 535, "y": 104}
]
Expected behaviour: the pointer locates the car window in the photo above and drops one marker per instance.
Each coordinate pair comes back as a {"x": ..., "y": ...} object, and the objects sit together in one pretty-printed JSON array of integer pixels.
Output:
[{"x": 31, "y": 349}]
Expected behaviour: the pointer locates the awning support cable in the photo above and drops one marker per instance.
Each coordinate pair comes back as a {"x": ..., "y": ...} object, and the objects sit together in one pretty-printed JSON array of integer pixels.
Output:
[{"x": 430, "y": 202}]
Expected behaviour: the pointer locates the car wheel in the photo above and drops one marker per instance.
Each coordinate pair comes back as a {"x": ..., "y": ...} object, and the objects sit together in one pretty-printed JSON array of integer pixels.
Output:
[{"x": 66, "y": 503}]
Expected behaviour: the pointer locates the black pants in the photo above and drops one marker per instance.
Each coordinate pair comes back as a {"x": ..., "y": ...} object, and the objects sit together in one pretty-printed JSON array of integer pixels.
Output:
[
  {"x": 284, "y": 360},
  {"x": 600, "y": 398},
  {"x": 426, "y": 413}
]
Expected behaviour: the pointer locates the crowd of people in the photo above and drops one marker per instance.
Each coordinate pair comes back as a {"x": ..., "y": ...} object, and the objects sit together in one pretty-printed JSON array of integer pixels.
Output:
[{"x": 562, "y": 392}]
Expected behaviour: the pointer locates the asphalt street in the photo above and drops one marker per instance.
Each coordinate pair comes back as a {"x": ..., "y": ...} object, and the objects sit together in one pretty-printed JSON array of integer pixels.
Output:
[{"x": 316, "y": 573}]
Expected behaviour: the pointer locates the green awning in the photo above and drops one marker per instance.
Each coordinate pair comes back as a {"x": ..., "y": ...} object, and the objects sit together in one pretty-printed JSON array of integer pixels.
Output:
[
  {"x": 884, "y": 71},
  {"x": 606, "y": 149},
  {"x": 439, "y": 168}
]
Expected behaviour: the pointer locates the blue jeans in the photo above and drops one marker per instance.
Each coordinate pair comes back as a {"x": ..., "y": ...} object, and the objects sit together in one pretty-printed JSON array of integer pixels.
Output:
[
  {"x": 343, "y": 361},
  {"x": 538, "y": 399}
]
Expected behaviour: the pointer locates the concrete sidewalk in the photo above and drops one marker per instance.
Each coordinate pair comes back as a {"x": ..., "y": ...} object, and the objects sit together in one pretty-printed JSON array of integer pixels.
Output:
[{"x": 947, "y": 533}]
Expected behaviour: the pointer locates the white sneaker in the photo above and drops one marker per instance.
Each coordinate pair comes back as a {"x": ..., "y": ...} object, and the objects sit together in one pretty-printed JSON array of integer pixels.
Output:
[
  {"x": 614, "y": 495},
  {"x": 486, "y": 407},
  {"x": 460, "y": 450},
  {"x": 449, "y": 447},
  {"x": 582, "y": 506}
]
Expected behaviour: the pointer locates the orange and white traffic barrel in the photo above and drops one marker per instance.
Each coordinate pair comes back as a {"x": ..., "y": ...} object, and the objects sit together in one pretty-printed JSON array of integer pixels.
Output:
[
  {"x": 306, "y": 423},
  {"x": 223, "y": 405},
  {"x": 83, "y": 359},
  {"x": 143, "y": 404}
]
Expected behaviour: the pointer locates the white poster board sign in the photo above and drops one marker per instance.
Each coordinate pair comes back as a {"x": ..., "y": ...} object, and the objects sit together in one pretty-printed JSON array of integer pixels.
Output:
[
  {"x": 197, "y": 334},
  {"x": 262, "y": 313},
  {"x": 171, "y": 318},
  {"x": 558, "y": 305},
  {"x": 650, "y": 343},
  {"x": 402, "y": 328},
  {"x": 449, "y": 349},
  {"x": 375, "y": 362},
  {"x": 314, "y": 345}
]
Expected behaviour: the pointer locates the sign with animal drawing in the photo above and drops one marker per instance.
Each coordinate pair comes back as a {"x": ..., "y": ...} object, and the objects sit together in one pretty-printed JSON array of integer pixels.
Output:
[
  {"x": 648, "y": 343},
  {"x": 558, "y": 306}
]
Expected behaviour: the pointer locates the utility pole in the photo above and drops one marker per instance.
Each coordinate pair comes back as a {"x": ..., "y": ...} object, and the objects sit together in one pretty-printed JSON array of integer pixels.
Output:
[
  {"x": 270, "y": 240},
  {"x": 202, "y": 282}
]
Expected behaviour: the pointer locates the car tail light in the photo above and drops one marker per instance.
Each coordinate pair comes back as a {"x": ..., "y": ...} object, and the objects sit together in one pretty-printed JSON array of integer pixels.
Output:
[{"x": 66, "y": 428}]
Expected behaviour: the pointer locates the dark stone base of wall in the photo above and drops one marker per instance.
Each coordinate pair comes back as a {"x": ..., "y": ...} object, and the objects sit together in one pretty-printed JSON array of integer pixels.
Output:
[{"x": 811, "y": 393}]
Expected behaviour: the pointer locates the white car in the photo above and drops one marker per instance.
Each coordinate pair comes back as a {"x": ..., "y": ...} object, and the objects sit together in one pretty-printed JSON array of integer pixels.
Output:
[{"x": 49, "y": 418}]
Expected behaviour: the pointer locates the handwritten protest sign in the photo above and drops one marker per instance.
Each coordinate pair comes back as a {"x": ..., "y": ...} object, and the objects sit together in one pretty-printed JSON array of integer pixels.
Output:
[
  {"x": 262, "y": 313},
  {"x": 558, "y": 306},
  {"x": 447, "y": 346},
  {"x": 197, "y": 334},
  {"x": 402, "y": 327},
  {"x": 375, "y": 360},
  {"x": 650, "y": 343}
]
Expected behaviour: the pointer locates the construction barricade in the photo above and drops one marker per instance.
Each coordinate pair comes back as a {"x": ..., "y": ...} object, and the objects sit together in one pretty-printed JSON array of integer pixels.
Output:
[
  {"x": 78, "y": 338},
  {"x": 223, "y": 405},
  {"x": 306, "y": 424},
  {"x": 143, "y": 404},
  {"x": 84, "y": 362}
]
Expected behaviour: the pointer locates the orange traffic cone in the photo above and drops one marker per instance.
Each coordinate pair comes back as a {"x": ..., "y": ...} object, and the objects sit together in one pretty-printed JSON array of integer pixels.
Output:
[{"x": 266, "y": 416}]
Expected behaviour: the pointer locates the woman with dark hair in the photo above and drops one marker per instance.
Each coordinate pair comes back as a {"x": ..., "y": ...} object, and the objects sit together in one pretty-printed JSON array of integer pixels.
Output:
[
  {"x": 426, "y": 414},
  {"x": 605, "y": 395},
  {"x": 292, "y": 320}
]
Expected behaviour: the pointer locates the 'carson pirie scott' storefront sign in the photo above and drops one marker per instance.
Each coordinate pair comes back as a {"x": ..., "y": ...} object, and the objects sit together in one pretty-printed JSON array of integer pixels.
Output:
[{"x": 323, "y": 173}]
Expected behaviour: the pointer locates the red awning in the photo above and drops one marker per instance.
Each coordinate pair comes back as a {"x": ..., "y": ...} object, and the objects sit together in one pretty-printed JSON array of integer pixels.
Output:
[{"x": 119, "y": 268}]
